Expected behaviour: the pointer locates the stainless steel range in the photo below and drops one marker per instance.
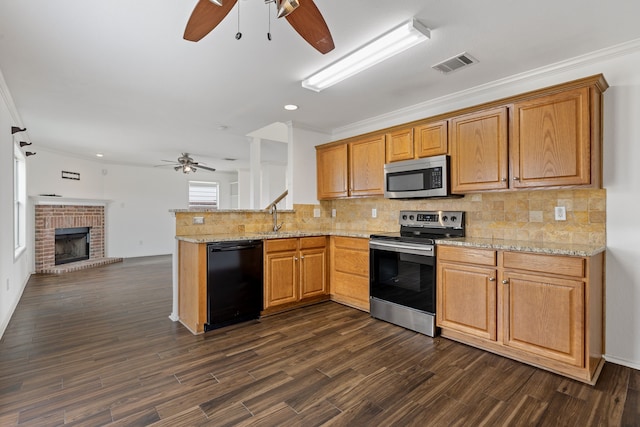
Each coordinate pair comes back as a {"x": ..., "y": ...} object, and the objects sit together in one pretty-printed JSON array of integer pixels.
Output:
[{"x": 403, "y": 268}]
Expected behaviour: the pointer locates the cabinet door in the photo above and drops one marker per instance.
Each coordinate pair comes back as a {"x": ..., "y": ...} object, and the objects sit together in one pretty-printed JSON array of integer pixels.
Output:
[
  {"x": 400, "y": 145},
  {"x": 350, "y": 271},
  {"x": 313, "y": 272},
  {"x": 545, "y": 316},
  {"x": 551, "y": 142},
  {"x": 281, "y": 277},
  {"x": 431, "y": 139},
  {"x": 479, "y": 151},
  {"x": 332, "y": 172},
  {"x": 466, "y": 299},
  {"x": 366, "y": 166}
]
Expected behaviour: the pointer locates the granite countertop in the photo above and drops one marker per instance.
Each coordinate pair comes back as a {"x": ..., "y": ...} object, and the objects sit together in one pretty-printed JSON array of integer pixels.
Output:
[
  {"x": 471, "y": 242},
  {"x": 265, "y": 235},
  {"x": 525, "y": 246}
]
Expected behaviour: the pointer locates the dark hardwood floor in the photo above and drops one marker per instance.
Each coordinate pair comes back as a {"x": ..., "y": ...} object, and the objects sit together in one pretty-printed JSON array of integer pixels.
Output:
[{"x": 96, "y": 347}]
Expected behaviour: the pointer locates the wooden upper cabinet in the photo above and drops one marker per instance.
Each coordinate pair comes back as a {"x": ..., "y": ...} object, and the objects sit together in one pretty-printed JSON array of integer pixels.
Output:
[
  {"x": 479, "y": 158},
  {"x": 429, "y": 139},
  {"x": 332, "y": 171},
  {"x": 551, "y": 140},
  {"x": 400, "y": 145},
  {"x": 366, "y": 166}
]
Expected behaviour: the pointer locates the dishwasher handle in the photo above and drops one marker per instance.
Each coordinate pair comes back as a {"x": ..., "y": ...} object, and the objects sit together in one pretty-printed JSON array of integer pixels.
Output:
[{"x": 233, "y": 246}]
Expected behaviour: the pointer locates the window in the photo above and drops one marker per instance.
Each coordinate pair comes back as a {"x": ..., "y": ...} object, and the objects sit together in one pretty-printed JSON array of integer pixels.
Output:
[
  {"x": 19, "y": 201},
  {"x": 203, "y": 194}
]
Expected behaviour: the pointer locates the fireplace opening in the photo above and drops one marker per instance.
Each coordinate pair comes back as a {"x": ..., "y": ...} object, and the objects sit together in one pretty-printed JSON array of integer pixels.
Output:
[{"x": 72, "y": 244}]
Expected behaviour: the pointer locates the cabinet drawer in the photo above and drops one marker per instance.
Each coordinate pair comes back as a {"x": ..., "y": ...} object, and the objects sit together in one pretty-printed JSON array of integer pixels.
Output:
[
  {"x": 352, "y": 262},
  {"x": 551, "y": 264},
  {"x": 353, "y": 243},
  {"x": 276, "y": 245},
  {"x": 313, "y": 242},
  {"x": 466, "y": 255}
]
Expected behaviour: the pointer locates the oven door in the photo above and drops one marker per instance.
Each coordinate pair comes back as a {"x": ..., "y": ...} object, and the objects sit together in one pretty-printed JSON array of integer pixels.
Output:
[{"x": 404, "y": 274}]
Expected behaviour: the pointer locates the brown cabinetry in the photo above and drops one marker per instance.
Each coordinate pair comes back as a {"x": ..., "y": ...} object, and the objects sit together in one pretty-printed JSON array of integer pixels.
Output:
[
  {"x": 428, "y": 139},
  {"x": 541, "y": 309},
  {"x": 366, "y": 166},
  {"x": 351, "y": 169},
  {"x": 467, "y": 291},
  {"x": 332, "y": 173},
  {"x": 192, "y": 285},
  {"x": 479, "y": 158},
  {"x": 350, "y": 271},
  {"x": 295, "y": 272},
  {"x": 551, "y": 140}
]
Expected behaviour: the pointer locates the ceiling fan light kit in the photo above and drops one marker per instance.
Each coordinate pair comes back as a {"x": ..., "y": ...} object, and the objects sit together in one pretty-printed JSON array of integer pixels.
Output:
[
  {"x": 381, "y": 48},
  {"x": 285, "y": 7}
]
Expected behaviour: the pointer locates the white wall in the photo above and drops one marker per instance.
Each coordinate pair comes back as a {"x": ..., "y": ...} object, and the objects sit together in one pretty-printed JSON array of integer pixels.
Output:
[
  {"x": 138, "y": 221},
  {"x": 621, "y": 172},
  {"x": 14, "y": 272},
  {"x": 302, "y": 155}
]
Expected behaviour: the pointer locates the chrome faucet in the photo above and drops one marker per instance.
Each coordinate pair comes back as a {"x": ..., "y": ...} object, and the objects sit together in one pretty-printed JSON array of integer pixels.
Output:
[{"x": 274, "y": 212}]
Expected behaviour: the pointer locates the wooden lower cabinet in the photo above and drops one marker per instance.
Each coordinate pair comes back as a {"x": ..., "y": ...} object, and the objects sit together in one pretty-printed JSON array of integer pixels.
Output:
[
  {"x": 192, "y": 285},
  {"x": 545, "y": 310},
  {"x": 349, "y": 267},
  {"x": 295, "y": 272}
]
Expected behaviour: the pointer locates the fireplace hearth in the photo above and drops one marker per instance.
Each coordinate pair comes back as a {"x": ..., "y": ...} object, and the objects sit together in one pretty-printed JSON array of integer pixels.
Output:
[{"x": 71, "y": 244}]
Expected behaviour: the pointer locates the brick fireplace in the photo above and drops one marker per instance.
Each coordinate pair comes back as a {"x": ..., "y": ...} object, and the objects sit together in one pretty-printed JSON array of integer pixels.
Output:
[{"x": 49, "y": 217}]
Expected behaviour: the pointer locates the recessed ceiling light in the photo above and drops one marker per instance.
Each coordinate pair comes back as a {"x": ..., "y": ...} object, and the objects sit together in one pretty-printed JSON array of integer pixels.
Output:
[
  {"x": 291, "y": 107},
  {"x": 99, "y": 155}
]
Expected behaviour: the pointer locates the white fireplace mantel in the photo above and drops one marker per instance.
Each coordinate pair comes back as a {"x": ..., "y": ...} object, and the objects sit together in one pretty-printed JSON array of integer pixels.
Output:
[{"x": 59, "y": 200}]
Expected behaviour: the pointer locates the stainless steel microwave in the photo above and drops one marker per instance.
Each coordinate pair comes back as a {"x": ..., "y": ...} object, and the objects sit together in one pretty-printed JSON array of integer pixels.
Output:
[{"x": 419, "y": 178}]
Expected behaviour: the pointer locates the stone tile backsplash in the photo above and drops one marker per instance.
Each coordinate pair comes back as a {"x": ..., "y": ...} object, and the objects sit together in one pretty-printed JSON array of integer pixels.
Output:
[{"x": 517, "y": 215}]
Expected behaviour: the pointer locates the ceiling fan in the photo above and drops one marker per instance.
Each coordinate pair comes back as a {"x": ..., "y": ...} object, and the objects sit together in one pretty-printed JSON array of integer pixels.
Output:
[
  {"x": 186, "y": 164},
  {"x": 303, "y": 15}
]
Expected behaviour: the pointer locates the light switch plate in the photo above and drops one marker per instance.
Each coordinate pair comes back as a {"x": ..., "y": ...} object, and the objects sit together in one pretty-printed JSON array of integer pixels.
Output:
[
  {"x": 333, "y": 213},
  {"x": 561, "y": 213},
  {"x": 198, "y": 220},
  {"x": 316, "y": 213},
  {"x": 374, "y": 213}
]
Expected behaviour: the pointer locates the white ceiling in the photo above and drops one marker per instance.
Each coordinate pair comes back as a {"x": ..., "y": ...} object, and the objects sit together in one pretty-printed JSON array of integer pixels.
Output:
[{"x": 116, "y": 76}]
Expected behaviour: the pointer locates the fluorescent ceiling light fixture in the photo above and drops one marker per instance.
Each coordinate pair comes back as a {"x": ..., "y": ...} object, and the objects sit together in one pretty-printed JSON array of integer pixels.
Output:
[
  {"x": 291, "y": 107},
  {"x": 387, "y": 45}
]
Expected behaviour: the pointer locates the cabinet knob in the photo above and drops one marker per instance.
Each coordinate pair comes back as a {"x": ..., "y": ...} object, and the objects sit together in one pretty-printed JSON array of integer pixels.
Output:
[
  {"x": 504, "y": 180},
  {"x": 492, "y": 279},
  {"x": 505, "y": 282},
  {"x": 516, "y": 178},
  {"x": 295, "y": 258},
  {"x": 302, "y": 257}
]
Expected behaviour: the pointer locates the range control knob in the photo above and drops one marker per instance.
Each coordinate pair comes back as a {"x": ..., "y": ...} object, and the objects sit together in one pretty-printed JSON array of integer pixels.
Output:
[
  {"x": 454, "y": 218},
  {"x": 404, "y": 217},
  {"x": 411, "y": 217},
  {"x": 445, "y": 218}
]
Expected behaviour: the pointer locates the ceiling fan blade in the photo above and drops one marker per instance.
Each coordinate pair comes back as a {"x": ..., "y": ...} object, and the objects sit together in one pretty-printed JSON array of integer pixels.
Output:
[
  {"x": 206, "y": 168},
  {"x": 309, "y": 23},
  {"x": 205, "y": 17}
]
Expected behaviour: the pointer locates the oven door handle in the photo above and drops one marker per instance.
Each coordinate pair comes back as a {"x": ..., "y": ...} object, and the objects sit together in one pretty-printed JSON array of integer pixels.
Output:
[{"x": 395, "y": 247}]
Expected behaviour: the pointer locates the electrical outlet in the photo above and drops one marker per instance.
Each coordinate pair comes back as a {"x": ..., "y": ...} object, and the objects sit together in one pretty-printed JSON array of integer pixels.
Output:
[
  {"x": 333, "y": 213},
  {"x": 374, "y": 213},
  {"x": 561, "y": 213},
  {"x": 316, "y": 213},
  {"x": 198, "y": 220}
]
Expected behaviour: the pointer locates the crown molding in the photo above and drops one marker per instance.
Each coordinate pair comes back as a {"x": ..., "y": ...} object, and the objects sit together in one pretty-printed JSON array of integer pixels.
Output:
[
  {"x": 8, "y": 100},
  {"x": 453, "y": 100}
]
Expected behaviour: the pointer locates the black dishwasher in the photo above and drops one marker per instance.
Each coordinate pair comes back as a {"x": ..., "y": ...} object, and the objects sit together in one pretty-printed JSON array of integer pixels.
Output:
[{"x": 234, "y": 282}]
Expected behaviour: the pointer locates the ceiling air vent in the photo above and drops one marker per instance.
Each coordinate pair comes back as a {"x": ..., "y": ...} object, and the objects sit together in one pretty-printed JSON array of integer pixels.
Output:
[{"x": 455, "y": 63}]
